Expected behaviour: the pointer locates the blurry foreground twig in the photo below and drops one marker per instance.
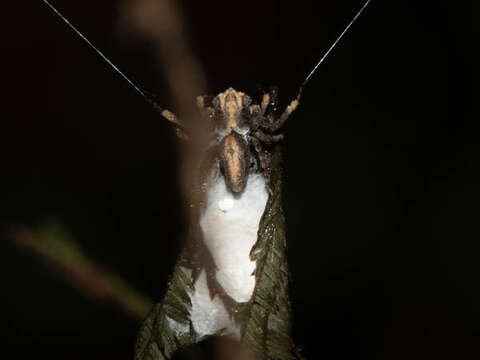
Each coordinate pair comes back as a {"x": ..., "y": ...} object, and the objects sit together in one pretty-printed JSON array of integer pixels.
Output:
[
  {"x": 161, "y": 22},
  {"x": 58, "y": 250}
]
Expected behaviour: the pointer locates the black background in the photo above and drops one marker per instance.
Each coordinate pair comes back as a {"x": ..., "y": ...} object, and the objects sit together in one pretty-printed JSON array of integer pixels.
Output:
[{"x": 382, "y": 183}]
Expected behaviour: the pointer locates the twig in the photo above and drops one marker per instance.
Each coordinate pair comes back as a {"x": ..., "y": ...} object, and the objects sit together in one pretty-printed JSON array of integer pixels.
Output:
[{"x": 161, "y": 22}]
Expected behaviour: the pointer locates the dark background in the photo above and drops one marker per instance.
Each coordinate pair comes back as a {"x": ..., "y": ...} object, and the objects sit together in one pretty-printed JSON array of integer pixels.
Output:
[{"x": 382, "y": 183}]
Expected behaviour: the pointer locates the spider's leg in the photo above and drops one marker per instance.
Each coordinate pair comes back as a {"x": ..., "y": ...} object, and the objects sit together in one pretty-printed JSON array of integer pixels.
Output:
[
  {"x": 265, "y": 103},
  {"x": 290, "y": 108},
  {"x": 281, "y": 120},
  {"x": 269, "y": 103},
  {"x": 265, "y": 160},
  {"x": 167, "y": 114},
  {"x": 180, "y": 128},
  {"x": 258, "y": 148},
  {"x": 268, "y": 138},
  {"x": 253, "y": 162},
  {"x": 254, "y": 117}
]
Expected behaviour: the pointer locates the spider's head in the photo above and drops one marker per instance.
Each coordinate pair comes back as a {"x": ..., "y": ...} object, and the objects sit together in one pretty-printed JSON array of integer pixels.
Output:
[{"x": 230, "y": 108}]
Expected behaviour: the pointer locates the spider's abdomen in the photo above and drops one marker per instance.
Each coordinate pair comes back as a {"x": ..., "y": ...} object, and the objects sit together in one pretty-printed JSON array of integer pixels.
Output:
[{"x": 233, "y": 154}]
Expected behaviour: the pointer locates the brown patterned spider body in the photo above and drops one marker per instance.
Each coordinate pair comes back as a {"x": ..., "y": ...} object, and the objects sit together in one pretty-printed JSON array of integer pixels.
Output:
[{"x": 241, "y": 131}]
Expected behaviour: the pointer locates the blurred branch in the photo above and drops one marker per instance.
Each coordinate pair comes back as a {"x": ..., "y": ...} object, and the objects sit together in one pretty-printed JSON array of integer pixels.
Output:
[
  {"x": 57, "y": 249},
  {"x": 161, "y": 22}
]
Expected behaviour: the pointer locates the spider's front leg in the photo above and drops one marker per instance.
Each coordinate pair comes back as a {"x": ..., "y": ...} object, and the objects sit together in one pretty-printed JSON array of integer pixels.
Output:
[
  {"x": 264, "y": 114},
  {"x": 180, "y": 127},
  {"x": 270, "y": 103},
  {"x": 265, "y": 102},
  {"x": 268, "y": 138},
  {"x": 269, "y": 121},
  {"x": 274, "y": 126}
]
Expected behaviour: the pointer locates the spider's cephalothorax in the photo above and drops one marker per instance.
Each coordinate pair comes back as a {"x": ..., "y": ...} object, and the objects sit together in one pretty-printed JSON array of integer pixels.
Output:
[{"x": 242, "y": 130}]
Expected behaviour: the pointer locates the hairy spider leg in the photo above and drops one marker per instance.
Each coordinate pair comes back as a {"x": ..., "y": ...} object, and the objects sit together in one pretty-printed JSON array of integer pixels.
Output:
[
  {"x": 268, "y": 138},
  {"x": 265, "y": 160},
  {"x": 290, "y": 108},
  {"x": 265, "y": 103},
  {"x": 274, "y": 126},
  {"x": 180, "y": 128}
]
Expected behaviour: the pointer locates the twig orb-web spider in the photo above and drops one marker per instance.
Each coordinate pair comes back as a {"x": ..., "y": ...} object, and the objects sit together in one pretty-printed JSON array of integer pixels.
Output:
[{"x": 241, "y": 131}]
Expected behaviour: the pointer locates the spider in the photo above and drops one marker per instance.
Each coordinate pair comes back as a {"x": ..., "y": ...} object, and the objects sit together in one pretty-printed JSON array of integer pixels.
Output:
[{"x": 242, "y": 131}]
